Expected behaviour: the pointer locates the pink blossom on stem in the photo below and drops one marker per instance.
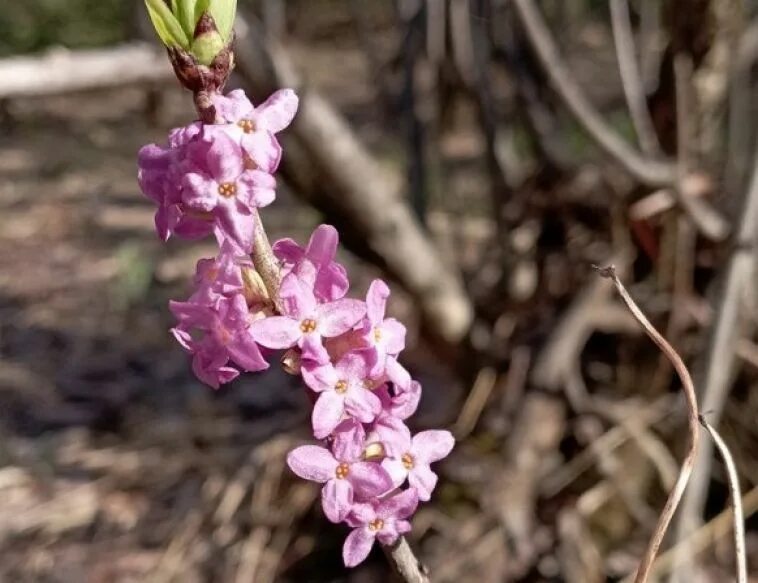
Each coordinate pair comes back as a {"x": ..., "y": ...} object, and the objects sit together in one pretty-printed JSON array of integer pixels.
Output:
[
  {"x": 384, "y": 520},
  {"x": 342, "y": 390},
  {"x": 330, "y": 278},
  {"x": 414, "y": 461},
  {"x": 227, "y": 337},
  {"x": 346, "y": 477},
  {"x": 306, "y": 322}
]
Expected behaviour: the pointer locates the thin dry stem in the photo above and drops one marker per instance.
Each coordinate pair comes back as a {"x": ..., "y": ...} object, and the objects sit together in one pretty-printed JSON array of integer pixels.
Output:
[
  {"x": 736, "y": 500},
  {"x": 631, "y": 77},
  {"x": 692, "y": 417},
  {"x": 266, "y": 263},
  {"x": 406, "y": 565},
  {"x": 650, "y": 171}
]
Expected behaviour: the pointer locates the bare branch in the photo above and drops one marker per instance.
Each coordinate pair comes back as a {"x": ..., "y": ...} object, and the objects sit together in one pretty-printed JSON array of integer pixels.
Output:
[
  {"x": 736, "y": 499},
  {"x": 692, "y": 417},
  {"x": 631, "y": 78},
  {"x": 408, "y": 567},
  {"x": 651, "y": 172},
  {"x": 62, "y": 71}
]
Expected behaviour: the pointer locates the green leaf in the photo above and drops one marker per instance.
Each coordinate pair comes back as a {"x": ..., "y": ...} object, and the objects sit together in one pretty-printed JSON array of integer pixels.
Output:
[
  {"x": 184, "y": 10},
  {"x": 223, "y": 12},
  {"x": 166, "y": 25}
]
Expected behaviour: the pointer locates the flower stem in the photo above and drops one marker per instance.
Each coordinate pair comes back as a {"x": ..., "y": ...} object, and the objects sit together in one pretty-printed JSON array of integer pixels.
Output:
[
  {"x": 405, "y": 563},
  {"x": 265, "y": 262}
]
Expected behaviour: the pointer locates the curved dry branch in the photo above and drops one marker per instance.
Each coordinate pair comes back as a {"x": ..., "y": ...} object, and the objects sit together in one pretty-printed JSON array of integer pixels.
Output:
[
  {"x": 649, "y": 171},
  {"x": 736, "y": 499},
  {"x": 693, "y": 422},
  {"x": 631, "y": 78}
]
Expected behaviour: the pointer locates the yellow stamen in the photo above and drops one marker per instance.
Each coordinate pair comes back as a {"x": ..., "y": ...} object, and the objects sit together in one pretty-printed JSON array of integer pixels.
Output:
[
  {"x": 342, "y": 471},
  {"x": 247, "y": 125},
  {"x": 377, "y": 524},
  {"x": 307, "y": 326},
  {"x": 408, "y": 461},
  {"x": 341, "y": 387},
  {"x": 227, "y": 189}
]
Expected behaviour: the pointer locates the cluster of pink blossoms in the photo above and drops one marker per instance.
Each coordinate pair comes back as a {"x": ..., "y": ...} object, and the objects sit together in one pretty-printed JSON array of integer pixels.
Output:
[{"x": 210, "y": 179}]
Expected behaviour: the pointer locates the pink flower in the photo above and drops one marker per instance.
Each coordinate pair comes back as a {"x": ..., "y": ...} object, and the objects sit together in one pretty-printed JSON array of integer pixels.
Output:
[
  {"x": 305, "y": 322},
  {"x": 331, "y": 281},
  {"x": 227, "y": 336},
  {"x": 219, "y": 277},
  {"x": 384, "y": 521},
  {"x": 399, "y": 403},
  {"x": 254, "y": 128},
  {"x": 154, "y": 176},
  {"x": 414, "y": 463},
  {"x": 345, "y": 476},
  {"x": 386, "y": 336},
  {"x": 217, "y": 183},
  {"x": 342, "y": 389}
]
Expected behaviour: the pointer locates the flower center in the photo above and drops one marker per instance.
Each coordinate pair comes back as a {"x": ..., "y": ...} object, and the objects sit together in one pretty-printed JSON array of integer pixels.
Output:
[
  {"x": 227, "y": 189},
  {"x": 376, "y": 524},
  {"x": 408, "y": 461},
  {"x": 342, "y": 471},
  {"x": 341, "y": 387},
  {"x": 247, "y": 125},
  {"x": 307, "y": 326},
  {"x": 377, "y": 334},
  {"x": 369, "y": 384}
]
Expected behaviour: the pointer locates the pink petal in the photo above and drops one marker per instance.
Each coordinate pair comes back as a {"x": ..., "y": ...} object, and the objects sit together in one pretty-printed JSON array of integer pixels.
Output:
[
  {"x": 394, "y": 434},
  {"x": 337, "y": 499},
  {"x": 405, "y": 403},
  {"x": 396, "y": 470},
  {"x": 312, "y": 348},
  {"x": 349, "y": 439},
  {"x": 357, "y": 546},
  {"x": 327, "y": 413},
  {"x": 235, "y": 222},
  {"x": 263, "y": 149},
  {"x": 431, "y": 446},
  {"x": 397, "y": 373},
  {"x": 338, "y": 317},
  {"x": 234, "y": 106},
  {"x": 331, "y": 282},
  {"x": 424, "y": 480},
  {"x": 278, "y": 110},
  {"x": 288, "y": 251},
  {"x": 322, "y": 246},
  {"x": 400, "y": 505},
  {"x": 369, "y": 480},
  {"x": 276, "y": 331},
  {"x": 224, "y": 157},
  {"x": 312, "y": 462},
  {"x": 299, "y": 299},
  {"x": 319, "y": 377},
  {"x": 362, "y": 404},
  {"x": 376, "y": 301},
  {"x": 393, "y": 336},
  {"x": 245, "y": 352},
  {"x": 199, "y": 192}
]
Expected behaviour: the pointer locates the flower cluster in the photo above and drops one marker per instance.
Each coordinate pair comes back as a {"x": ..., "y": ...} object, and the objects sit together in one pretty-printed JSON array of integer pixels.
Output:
[{"x": 211, "y": 179}]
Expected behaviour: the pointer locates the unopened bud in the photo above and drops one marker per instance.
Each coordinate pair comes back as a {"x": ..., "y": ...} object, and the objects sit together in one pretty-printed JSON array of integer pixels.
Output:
[
  {"x": 291, "y": 362},
  {"x": 253, "y": 288},
  {"x": 374, "y": 452},
  {"x": 207, "y": 42}
]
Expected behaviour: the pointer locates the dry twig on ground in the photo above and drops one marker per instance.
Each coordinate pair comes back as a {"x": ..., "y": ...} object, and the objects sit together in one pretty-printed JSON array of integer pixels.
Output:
[{"x": 692, "y": 417}]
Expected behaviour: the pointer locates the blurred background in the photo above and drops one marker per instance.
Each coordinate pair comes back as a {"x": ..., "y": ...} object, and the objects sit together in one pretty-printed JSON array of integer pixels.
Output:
[{"x": 482, "y": 155}]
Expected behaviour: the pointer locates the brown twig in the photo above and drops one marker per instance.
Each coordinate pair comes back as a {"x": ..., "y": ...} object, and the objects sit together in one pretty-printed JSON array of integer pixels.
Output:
[
  {"x": 692, "y": 417},
  {"x": 650, "y": 171},
  {"x": 408, "y": 567},
  {"x": 265, "y": 262},
  {"x": 736, "y": 500},
  {"x": 631, "y": 78}
]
